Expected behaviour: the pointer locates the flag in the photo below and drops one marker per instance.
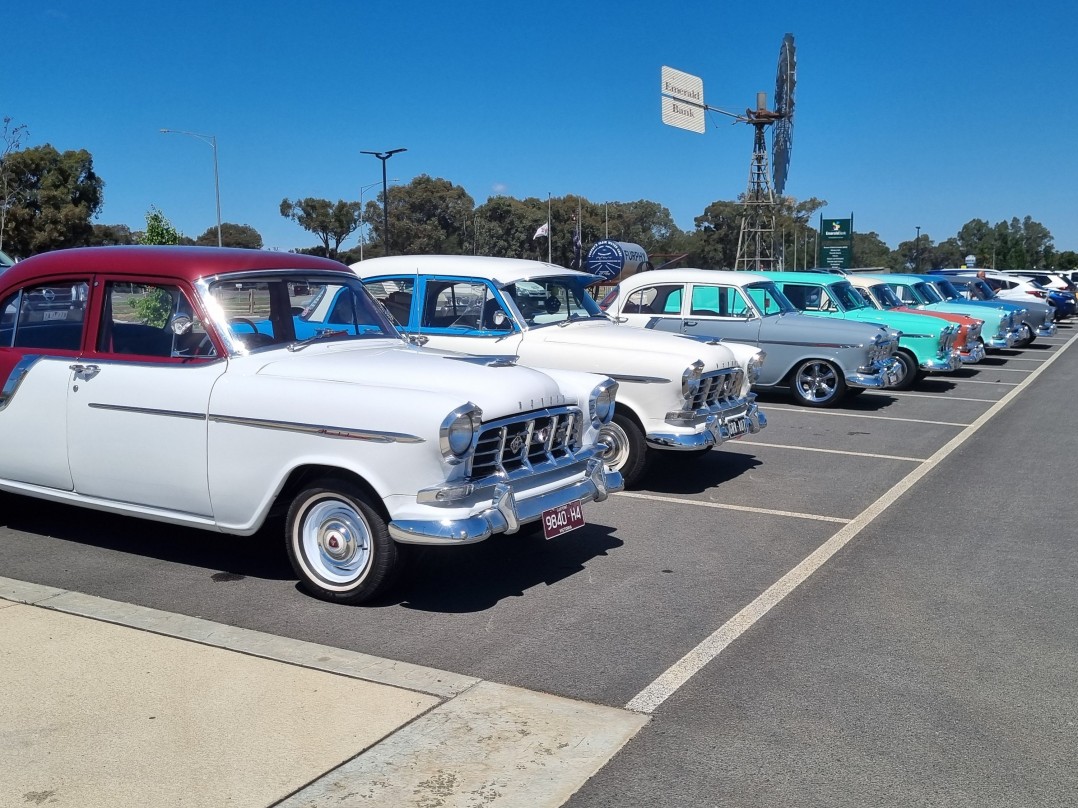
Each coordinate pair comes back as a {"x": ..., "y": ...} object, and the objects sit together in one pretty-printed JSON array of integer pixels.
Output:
[
  {"x": 576, "y": 245},
  {"x": 544, "y": 230}
]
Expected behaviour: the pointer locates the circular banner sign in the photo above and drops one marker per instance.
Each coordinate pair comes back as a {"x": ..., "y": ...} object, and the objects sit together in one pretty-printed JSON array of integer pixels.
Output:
[{"x": 608, "y": 259}]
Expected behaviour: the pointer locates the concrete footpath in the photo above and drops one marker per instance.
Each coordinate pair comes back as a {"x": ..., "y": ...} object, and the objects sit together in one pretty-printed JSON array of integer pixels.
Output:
[{"x": 105, "y": 703}]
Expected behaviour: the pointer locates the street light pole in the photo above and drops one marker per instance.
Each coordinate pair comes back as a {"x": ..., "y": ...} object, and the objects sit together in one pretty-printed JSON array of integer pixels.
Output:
[
  {"x": 384, "y": 156},
  {"x": 361, "y": 191},
  {"x": 917, "y": 249},
  {"x": 212, "y": 140}
]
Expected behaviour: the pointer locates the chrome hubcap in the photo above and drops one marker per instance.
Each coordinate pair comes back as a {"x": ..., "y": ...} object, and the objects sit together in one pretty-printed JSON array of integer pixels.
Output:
[
  {"x": 617, "y": 446},
  {"x": 336, "y": 541},
  {"x": 817, "y": 381}
]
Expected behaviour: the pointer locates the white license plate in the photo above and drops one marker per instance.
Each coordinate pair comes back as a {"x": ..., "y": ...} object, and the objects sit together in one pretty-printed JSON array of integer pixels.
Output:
[
  {"x": 54, "y": 315},
  {"x": 560, "y": 520},
  {"x": 737, "y": 428}
]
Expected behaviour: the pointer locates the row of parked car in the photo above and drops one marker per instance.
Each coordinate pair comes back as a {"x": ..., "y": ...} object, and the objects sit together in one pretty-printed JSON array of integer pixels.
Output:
[{"x": 416, "y": 400}]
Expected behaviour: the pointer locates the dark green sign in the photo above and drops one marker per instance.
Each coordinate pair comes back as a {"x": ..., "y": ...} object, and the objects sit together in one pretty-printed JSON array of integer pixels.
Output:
[{"x": 836, "y": 243}]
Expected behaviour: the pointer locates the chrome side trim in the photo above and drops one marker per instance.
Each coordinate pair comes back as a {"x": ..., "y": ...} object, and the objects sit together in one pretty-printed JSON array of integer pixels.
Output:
[
  {"x": 14, "y": 379},
  {"x": 194, "y": 416},
  {"x": 319, "y": 429},
  {"x": 834, "y": 345}
]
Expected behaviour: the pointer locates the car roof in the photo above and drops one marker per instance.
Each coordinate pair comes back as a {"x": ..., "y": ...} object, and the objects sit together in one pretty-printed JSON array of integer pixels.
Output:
[
  {"x": 183, "y": 263},
  {"x": 693, "y": 275},
  {"x": 502, "y": 271},
  {"x": 807, "y": 277}
]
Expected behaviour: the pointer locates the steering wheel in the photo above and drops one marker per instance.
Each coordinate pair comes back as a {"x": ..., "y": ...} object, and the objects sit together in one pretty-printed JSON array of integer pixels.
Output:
[{"x": 243, "y": 321}]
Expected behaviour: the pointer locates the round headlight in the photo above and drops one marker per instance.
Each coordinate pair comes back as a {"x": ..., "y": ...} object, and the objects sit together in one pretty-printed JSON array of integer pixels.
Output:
[
  {"x": 602, "y": 402},
  {"x": 458, "y": 431}
]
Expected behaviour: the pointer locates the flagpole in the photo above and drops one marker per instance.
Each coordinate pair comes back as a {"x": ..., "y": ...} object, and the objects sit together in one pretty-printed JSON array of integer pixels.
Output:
[{"x": 549, "y": 235}]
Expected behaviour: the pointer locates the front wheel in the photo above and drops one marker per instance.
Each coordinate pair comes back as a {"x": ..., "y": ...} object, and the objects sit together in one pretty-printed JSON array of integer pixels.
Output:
[
  {"x": 339, "y": 545},
  {"x": 626, "y": 450},
  {"x": 1025, "y": 336},
  {"x": 911, "y": 373},
  {"x": 818, "y": 383}
]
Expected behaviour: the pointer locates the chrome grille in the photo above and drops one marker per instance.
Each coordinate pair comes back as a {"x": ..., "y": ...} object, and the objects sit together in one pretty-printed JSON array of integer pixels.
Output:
[
  {"x": 973, "y": 334},
  {"x": 716, "y": 388},
  {"x": 881, "y": 350},
  {"x": 947, "y": 337},
  {"x": 526, "y": 441}
]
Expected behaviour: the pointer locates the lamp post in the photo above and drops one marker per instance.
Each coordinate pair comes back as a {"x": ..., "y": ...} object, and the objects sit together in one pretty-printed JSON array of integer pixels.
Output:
[
  {"x": 212, "y": 140},
  {"x": 917, "y": 249},
  {"x": 361, "y": 192},
  {"x": 384, "y": 156}
]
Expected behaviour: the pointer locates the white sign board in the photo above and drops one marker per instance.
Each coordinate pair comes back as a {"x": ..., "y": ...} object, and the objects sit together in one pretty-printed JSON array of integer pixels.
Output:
[{"x": 683, "y": 100}]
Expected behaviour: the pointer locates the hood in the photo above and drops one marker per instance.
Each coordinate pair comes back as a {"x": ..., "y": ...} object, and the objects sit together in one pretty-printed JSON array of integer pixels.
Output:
[
  {"x": 622, "y": 349},
  {"x": 900, "y": 321},
  {"x": 829, "y": 331},
  {"x": 492, "y": 383}
]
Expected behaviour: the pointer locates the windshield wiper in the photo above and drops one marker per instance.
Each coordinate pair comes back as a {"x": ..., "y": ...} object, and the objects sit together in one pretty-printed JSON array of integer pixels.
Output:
[{"x": 301, "y": 344}]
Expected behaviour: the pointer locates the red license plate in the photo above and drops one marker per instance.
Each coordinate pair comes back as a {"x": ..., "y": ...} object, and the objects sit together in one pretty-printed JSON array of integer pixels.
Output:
[{"x": 562, "y": 519}]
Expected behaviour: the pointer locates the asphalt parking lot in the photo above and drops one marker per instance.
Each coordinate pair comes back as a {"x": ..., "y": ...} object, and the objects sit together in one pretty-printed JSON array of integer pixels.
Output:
[{"x": 869, "y": 605}]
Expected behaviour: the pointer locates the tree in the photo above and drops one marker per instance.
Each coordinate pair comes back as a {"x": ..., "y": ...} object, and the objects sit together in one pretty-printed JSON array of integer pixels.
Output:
[
  {"x": 159, "y": 229},
  {"x": 54, "y": 198},
  {"x": 428, "y": 215},
  {"x": 10, "y": 140},
  {"x": 332, "y": 223},
  {"x": 869, "y": 250},
  {"x": 717, "y": 232},
  {"x": 106, "y": 234},
  {"x": 232, "y": 235}
]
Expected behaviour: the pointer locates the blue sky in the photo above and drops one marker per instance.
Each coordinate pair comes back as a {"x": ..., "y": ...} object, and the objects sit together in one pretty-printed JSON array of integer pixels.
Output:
[{"x": 922, "y": 113}]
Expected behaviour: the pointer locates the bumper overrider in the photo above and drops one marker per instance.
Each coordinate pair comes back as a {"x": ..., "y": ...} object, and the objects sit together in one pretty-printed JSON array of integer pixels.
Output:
[
  {"x": 1004, "y": 340},
  {"x": 506, "y": 502},
  {"x": 886, "y": 373},
  {"x": 947, "y": 364},
  {"x": 720, "y": 425},
  {"x": 974, "y": 354},
  {"x": 1047, "y": 329}
]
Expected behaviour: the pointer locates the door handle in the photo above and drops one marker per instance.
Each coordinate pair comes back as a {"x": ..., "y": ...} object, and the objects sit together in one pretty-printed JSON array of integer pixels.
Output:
[
  {"x": 691, "y": 323},
  {"x": 84, "y": 370}
]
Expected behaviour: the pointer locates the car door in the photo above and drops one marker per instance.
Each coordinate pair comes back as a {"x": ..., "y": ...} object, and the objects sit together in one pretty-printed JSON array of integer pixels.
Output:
[
  {"x": 41, "y": 337},
  {"x": 138, "y": 399},
  {"x": 464, "y": 314},
  {"x": 657, "y": 307},
  {"x": 722, "y": 311}
]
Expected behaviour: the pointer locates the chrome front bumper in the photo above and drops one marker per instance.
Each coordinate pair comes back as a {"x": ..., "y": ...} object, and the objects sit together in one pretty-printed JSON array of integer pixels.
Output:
[
  {"x": 936, "y": 365},
  {"x": 1047, "y": 329},
  {"x": 889, "y": 374},
  {"x": 507, "y": 513},
  {"x": 720, "y": 428},
  {"x": 974, "y": 354},
  {"x": 1000, "y": 343}
]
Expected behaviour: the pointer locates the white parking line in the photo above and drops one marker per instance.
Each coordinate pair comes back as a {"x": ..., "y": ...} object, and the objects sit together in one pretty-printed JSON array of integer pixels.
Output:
[
  {"x": 861, "y": 415},
  {"x": 649, "y": 699},
  {"x": 993, "y": 368},
  {"x": 832, "y": 451},
  {"x": 935, "y": 396},
  {"x": 1005, "y": 384},
  {"x": 721, "y": 506}
]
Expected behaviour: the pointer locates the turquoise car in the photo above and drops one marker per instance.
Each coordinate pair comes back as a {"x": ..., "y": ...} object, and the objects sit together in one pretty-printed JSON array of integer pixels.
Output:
[
  {"x": 925, "y": 344},
  {"x": 1001, "y": 327}
]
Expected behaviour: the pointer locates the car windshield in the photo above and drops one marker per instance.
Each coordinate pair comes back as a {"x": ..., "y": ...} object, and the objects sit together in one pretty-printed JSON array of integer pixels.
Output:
[
  {"x": 928, "y": 292},
  {"x": 847, "y": 297},
  {"x": 768, "y": 299},
  {"x": 272, "y": 309},
  {"x": 885, "y": 295},
  {"x": 947, "y": 290},
  {"x": 557, "y": 299}
]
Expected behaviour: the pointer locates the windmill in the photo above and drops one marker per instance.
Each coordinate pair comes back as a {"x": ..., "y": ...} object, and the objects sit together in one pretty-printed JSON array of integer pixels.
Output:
[
  {"x": 756, "y": 243},
  {"x": 683, "y": 106}
]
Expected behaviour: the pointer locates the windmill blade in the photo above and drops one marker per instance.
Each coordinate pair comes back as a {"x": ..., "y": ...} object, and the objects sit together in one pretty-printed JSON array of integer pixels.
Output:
[{"x": 782, "y": 131}]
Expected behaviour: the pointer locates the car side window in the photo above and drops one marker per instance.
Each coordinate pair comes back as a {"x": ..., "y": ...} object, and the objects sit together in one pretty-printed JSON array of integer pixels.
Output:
[
  {"x": 49, "y": 316},
  {"x": 665, "y": 299},
  {"x": 706, "y": 301},
  {"x": 395, "y": 294},
  {"x": 905, "y": 294},
  {"x": 145, "y": 319},
  {"x": 463, "y": 306}
]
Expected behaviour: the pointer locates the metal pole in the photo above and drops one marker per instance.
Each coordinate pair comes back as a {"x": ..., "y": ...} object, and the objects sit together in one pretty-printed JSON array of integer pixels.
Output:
[
  {"x": 212, "y": 140},
  {"x": 384, "y": 156}
]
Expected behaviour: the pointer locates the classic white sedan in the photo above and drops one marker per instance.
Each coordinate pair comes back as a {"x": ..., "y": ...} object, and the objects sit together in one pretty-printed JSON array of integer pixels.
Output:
[
  {"x": 212, "y": 388},
  {"x": 675, "y": 393}
]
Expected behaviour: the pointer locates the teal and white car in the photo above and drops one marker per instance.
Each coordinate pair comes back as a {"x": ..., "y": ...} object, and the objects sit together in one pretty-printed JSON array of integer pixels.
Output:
[
  {"x": 925, "y": 344},
  {"x": 1001, "y": 327}
]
